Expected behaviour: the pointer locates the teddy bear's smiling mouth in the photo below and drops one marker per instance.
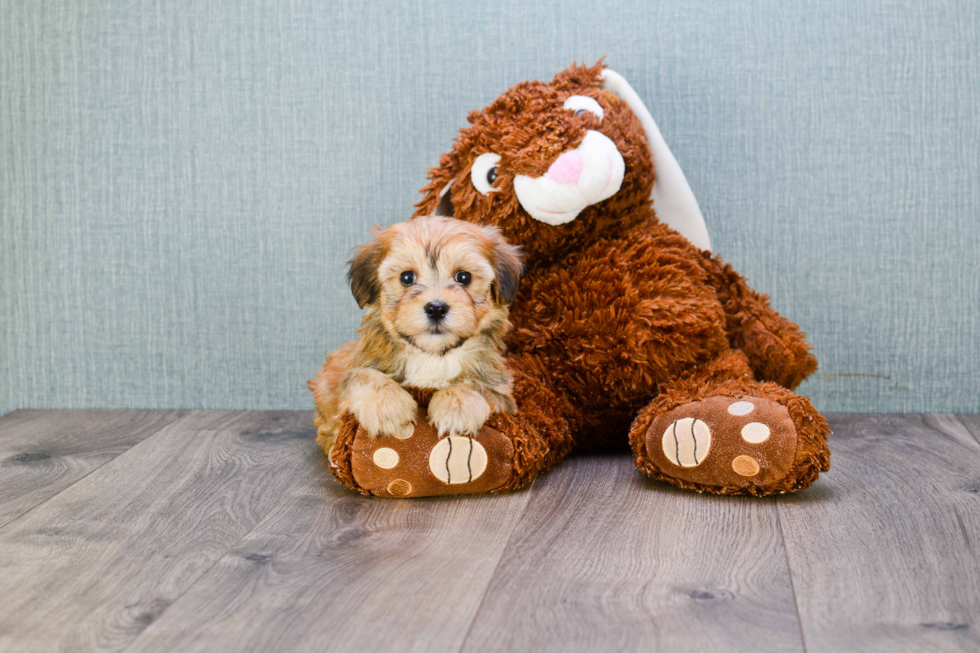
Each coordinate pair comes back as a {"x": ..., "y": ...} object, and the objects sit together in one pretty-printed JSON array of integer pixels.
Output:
[{"x": 578, "y": 178}]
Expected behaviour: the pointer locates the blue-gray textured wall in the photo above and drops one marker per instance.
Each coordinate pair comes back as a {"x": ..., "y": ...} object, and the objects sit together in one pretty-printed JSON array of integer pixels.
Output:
[{"x": 180, "y": 182}]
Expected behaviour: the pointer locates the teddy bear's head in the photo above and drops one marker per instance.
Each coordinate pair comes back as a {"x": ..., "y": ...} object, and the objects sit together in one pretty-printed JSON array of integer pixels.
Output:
[
  {"x": 552, "y": 164},
  {"x": 556, "y": 165}
]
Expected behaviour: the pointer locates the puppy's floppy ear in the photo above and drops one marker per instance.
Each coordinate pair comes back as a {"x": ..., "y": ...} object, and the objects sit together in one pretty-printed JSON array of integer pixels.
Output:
[
  {"x": 363, "y": 273},
  {"x": 507, "y": 267}
]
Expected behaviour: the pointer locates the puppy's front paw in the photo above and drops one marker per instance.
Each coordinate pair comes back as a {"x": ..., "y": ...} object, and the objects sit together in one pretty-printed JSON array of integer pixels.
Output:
[
  {"x": 458, "y": 410},
  {"x": 388, "y": 410}
]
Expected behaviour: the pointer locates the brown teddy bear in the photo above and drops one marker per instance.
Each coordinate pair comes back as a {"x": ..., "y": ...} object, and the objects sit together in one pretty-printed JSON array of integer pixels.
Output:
[{"x": 623, "y": 327}]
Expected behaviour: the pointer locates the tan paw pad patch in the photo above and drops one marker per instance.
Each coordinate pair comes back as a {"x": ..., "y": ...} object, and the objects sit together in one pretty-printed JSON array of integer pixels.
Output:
[
  {"x": 740, "y": 408},
  {"x": 458, "y": 459},
  {"x": 745, "y": 466},
  {"x": 385, "y": 458},
  {"x": 686, "y": 442},
  {"x": 400, "y": 487},
  {"x": 406, "y": 432},
  {"x": 755, "y": 432}
]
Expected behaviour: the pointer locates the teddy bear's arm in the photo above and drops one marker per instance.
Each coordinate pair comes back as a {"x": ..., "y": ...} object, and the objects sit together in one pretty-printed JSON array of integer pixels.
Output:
[{"x": 776, "y": 347}]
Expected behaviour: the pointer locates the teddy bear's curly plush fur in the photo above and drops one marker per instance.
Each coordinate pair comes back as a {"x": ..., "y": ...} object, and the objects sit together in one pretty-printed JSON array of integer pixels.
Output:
[{"x": 623, "y": 330}]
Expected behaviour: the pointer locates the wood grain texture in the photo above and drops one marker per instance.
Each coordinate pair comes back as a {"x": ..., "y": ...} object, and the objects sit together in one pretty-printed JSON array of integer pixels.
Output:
[
  {"x": 885, "y": 550},
  {"x": 225, "y": 531},
  {"x": 605, "y": 559},
  {"x": 972, "y": 424},
  {"x": 43, "y": 452},
  {"x": 92, "y": 567},
  {"x": 331, "y": 570}
]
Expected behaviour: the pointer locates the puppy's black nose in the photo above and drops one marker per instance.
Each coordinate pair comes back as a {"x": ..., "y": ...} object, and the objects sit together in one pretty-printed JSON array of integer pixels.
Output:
[{"x": 436, "y": 310}]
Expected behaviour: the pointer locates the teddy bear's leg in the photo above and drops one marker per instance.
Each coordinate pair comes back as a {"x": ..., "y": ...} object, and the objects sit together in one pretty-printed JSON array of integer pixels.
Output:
[
  {"x": 775, "y": 347},
  {"x": 719, "y": 430},
  {"x": 505, "y": 455}
]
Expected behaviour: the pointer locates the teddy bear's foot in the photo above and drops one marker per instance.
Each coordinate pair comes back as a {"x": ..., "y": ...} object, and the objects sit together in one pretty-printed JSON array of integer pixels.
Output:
[
  {"x": 724, "y": 441},
  {"x": 731, "y": 436},
  {"x": 509, "y": 451},
  {"x": 419, "y": 463}
]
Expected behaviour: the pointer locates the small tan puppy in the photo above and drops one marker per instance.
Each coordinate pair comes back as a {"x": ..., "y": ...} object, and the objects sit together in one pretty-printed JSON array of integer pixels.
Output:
[{"x": 438, "y": 292}]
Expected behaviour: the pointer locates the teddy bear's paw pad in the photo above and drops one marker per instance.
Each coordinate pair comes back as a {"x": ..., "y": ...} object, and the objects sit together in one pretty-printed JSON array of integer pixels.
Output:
[
  {"x": 724, "y": 441},
  {"x": 686, "y": 442},
  {"x": 457, "y": 460},
  {"x": 419, "y": 463}
]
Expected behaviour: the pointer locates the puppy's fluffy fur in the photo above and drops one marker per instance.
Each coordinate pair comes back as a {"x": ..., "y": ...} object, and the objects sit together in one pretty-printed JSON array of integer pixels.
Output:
[{"x": 469, "y": 269}]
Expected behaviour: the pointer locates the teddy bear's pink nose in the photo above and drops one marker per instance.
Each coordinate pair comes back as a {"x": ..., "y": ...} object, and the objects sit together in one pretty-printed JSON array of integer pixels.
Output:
[{"x": 567, "y": 168}]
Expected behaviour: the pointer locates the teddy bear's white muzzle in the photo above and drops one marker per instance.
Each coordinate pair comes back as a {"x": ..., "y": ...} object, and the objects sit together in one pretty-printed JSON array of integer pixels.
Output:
[{"x": 590, "y": 173}]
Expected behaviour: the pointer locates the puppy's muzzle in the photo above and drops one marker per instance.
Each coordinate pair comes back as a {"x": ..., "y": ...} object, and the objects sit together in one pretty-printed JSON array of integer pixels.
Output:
[{"x": 436, "y": 311}]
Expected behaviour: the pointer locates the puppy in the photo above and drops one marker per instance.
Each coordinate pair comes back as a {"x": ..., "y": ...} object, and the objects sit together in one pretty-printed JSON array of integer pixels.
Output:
[{"x": 438, "y": 293}]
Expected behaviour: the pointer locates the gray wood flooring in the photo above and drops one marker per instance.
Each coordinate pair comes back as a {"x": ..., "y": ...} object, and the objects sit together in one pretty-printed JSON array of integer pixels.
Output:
[{"x": 214, "y": 531}]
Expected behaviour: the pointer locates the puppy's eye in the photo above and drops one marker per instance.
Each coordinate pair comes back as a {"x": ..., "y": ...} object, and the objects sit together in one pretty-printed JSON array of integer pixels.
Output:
[
  {"x": 463, "y": 278},
  {"x": 407, "y": 278},
  {"x": 582, "y": 104},
  {"x": 484, "y": 172}
]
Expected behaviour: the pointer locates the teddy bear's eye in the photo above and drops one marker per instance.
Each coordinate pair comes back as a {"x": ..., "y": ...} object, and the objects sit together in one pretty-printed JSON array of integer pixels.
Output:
[
  {"x": 484, "y": 172},
  {"x": 463, "y": 278},
  {"x": 582, "y": 104},
  {"x": 407, "y": 278}
]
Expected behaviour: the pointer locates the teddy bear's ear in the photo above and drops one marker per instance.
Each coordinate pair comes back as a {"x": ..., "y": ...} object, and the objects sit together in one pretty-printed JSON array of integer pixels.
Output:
[
  {"x": 673, "y": 199},
  {"x": 437, "y": 198},
  {"x": 445, "y": 205}
]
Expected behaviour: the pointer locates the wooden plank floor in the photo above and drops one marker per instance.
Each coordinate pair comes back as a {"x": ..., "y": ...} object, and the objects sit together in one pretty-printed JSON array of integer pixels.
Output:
[{"x": 213, "y": 531}]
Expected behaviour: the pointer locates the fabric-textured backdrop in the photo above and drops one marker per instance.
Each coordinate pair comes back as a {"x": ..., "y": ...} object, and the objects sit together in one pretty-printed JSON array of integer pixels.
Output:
[{"x": 181, "y": 181}]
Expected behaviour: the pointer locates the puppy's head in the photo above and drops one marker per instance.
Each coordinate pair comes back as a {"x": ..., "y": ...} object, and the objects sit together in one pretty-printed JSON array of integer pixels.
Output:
[{"x": 437, "y": 281}]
